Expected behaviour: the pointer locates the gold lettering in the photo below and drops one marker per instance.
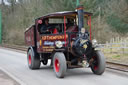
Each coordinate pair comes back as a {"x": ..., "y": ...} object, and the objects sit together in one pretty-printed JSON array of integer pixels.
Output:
[
  {"x": 48, "y": 46},
  {"x": 44, "y": 38},
  {"x": 47, "y": 50},
  {"x": 57, "y": 37}
]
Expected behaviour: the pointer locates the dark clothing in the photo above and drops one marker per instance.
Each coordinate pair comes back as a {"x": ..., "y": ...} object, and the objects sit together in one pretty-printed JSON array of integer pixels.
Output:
[{"x": 45, "y": 28}]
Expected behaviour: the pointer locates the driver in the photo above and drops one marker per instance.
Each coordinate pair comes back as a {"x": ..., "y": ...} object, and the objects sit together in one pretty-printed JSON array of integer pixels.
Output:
[
  {"x": 45, "y": 26},
  {"x": 48, "y": 28}
]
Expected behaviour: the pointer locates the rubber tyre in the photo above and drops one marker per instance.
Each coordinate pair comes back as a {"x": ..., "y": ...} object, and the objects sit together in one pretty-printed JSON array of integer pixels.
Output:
[
  {"x": 33, "y": 59},
  {"x": 59, "y": 64},
  {"x": 99, "y": 64}
]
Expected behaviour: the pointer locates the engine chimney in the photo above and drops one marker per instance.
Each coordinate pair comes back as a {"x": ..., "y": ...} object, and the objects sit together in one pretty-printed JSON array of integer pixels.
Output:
[{"x": 80, "y": 18}]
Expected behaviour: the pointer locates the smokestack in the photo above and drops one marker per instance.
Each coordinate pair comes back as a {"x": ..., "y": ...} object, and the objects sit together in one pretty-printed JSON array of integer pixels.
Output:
[{"x": 80, "y": 18}]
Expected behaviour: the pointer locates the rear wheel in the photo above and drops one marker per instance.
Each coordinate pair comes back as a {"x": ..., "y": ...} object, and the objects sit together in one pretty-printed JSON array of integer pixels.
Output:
[
  {"x": 33, "y": 59},
  {"x": 98, "y": 64},
  {"x": 59, "y": 64}
]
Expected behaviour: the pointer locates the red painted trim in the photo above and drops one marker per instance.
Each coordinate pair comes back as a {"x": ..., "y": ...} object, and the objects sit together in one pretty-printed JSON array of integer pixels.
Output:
[
  {"x": 65, "y": 30},
  {"x": 90, "y": 27},
  {"x": 95, "y": 67},
  {"x": 57, "y": 65},
  {"x": 29, "y": 59}
]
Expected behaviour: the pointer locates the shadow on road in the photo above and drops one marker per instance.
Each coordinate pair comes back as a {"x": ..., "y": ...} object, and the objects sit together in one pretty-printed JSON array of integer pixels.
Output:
[
  {"x": 79, "y": 72},
  {"x": 85, "y": 72}
]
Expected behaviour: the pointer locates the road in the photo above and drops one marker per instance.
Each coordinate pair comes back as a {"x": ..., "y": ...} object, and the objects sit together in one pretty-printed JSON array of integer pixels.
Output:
[{"x": 15, "y": 64}]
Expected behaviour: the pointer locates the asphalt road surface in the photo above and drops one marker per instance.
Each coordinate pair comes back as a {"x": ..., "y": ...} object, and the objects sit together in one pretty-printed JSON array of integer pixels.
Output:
[{"x": 15, "y": 64}]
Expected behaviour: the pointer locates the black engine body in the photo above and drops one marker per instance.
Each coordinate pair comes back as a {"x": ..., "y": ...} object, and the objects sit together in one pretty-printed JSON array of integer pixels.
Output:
[{"x": 82, "y": 45}]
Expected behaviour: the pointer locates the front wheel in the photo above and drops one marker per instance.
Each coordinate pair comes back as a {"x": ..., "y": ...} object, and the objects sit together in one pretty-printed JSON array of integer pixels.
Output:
[
  {"x": 98, "y": 65},
  {"x": 59, "y": 64}
]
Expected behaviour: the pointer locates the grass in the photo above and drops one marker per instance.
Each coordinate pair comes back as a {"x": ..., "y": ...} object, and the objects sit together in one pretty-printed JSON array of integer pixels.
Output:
[{"x": 116, "y": 56}]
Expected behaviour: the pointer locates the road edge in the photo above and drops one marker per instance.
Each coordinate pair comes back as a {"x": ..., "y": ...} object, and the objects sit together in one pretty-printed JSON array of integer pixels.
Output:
[{"x": 13, "y": 77}]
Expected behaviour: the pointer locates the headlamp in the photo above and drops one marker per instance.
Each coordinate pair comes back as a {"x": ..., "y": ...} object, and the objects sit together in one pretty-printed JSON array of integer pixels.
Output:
[
  {"x": 94, "y": 42},
  {"x": 58, "y": 44}
]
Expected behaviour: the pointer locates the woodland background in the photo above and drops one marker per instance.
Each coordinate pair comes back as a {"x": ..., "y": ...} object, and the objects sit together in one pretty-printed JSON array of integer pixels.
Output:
[{"x": 110, "y": 17}]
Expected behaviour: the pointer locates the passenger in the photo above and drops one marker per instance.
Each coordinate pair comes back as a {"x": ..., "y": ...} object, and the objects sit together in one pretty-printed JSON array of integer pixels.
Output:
[
  {"x": 70, "y": 22},
  {"x": 55, "y": 31}
]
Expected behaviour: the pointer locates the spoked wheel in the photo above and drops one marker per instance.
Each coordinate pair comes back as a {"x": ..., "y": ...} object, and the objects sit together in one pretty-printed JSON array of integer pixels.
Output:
[
  {"x": 98, "y": 64},
  {"x": 33, "y": 59},
  {"x": 59, "y": 64}
]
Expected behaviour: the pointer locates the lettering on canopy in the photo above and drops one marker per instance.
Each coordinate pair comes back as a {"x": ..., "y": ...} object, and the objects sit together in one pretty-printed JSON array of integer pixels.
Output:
[{"x": 53, "y": 37}]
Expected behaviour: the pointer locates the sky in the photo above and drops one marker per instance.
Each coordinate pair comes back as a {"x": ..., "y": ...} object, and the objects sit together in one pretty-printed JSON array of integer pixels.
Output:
[{"x": 6, "y": 2}]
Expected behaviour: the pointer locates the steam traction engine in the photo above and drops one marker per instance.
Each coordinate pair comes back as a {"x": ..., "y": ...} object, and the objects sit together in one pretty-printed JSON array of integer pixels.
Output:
[{"x": 70, "y": 47}]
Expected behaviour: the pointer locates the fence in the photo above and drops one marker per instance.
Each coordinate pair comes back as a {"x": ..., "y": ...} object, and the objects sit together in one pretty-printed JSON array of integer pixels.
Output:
[
  {"x": 116, "y": 45},
  {"x": 116, "y": 50}
]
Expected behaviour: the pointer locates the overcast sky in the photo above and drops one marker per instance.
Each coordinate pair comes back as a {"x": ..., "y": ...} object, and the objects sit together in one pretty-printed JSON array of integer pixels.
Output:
[
  {"x": 5, "y": 2},
  {"x": 0, "y": 1}
]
